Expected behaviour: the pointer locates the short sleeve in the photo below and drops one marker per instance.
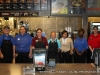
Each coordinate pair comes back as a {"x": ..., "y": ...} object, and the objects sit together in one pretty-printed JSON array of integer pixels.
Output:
[
  {"x": 13, "y": 40},
  {"x": 59, "y": 45},
  {"x": 89, "y": 41},
  {"x": 45, "y": 40},
  {"x": 71, "y": 44},
  {"x": 86, "y": 44},
  {"x": 33, "y": 41},
  {"x": 75, "y": 44},
  {"x": 30, "y": 38},
  {"x": 48, "y": 41}
]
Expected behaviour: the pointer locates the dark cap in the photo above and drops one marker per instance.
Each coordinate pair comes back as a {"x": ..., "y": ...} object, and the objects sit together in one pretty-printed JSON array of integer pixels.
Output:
[{"x": 6, "y": 27}]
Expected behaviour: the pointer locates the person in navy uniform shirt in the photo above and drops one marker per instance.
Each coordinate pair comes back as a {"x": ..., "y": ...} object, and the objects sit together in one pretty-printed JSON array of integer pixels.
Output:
[
  {"x": 23, "y": 46},
  {"x": 80, "y": 45},
  {"x": 54, "y": 47},
  {"x": 39, "y": 41},
  {"x": 6, "y": 46}
]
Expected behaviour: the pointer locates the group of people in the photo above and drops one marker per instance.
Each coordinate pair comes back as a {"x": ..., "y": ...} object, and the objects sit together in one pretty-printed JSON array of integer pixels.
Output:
[{"x": 62, "y": 50}]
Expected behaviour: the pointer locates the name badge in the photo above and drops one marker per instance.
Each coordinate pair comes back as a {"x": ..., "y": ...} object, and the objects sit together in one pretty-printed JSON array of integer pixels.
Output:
[
  {"x": 18, "y": 38},
  {"x": 36, "y": 40}
]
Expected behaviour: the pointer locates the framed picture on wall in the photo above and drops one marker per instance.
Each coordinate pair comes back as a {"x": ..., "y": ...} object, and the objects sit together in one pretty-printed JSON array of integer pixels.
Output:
[{"x": 59, "y": 6}]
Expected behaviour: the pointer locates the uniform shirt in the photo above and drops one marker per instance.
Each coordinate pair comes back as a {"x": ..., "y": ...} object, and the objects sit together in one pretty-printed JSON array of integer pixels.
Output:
[
  {"x": 42, "y": 39},
  {"x": 23, "y": 42},
  {"x": 80, "y": 44},
  {"x": 9, "y": 37},
  {"x": 56, "y": 40},
  {"x": 94, "y": 41},
  {"x": 66, "y": 44}
]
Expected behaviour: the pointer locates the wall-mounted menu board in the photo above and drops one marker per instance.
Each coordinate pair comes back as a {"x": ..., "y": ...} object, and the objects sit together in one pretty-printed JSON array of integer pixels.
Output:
[
  {"x": 23, "y": 4},
  {"x": 68, "y": 7},
  {"x": 59, "y": 6},
  {"x": 77, "y": 6},
  {"x": 93, "y": 7}
]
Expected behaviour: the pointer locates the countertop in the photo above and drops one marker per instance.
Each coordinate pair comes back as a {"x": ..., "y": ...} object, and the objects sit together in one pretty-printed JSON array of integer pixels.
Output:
[{"x": 60, "y": 69}]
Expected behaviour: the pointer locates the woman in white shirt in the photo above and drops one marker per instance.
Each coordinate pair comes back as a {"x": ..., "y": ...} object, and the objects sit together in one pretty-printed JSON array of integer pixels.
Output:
[{"x": 66, "y": 48}]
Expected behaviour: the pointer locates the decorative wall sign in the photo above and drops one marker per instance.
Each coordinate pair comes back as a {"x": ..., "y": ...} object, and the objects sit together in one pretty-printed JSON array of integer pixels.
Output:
[{"x": 59, "y": 7}]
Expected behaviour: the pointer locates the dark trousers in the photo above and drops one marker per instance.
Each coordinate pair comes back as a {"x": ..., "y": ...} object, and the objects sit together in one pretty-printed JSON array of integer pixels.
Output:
[
  {"x": 66, "y": 57},
  {"x": 80, "y": 59},
  {"x": 2, "y": 60},
  {"x": 22, "y": 57},
  {"x": 89, "y": 54}
]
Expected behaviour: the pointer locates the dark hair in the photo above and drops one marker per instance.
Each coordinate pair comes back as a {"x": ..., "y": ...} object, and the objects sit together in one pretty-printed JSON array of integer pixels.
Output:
[
  {"x": 39, "y": 29},
  {"x": 81, "y": 30},
  {"x": 24, "y": 28},
  {"x": 95, "y": 27},
  {"x": 64, "y": 31},
  {"x": 6, "y": 27}
]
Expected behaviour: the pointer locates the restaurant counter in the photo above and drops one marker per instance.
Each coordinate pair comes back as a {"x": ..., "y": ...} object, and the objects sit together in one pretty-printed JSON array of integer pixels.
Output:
[{"x": 60, "y": 69}]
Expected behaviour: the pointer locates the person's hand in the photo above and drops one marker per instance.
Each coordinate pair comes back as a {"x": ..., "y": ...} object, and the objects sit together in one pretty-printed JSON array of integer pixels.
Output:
[
  {"x": 2, "y": 56},
  {"x": 30, "y": 55},
  {"x": 79, "y": 53},
  {"x": 92, "y": 50},
  {"x": 71, "y": 52}
]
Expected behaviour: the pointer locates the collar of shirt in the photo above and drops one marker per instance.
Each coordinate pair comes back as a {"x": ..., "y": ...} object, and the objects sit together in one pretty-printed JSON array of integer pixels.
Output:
[
  {"x": 22, "y": 35},
  {"x": 64, "y": 40},
  {"x": 81, "y": 38},
  {"x": 54, "y": 40},
  {"x": 95, "y": 36},
  {"x": 5, "y": 35},
  {"x": 39, "y": 39}
]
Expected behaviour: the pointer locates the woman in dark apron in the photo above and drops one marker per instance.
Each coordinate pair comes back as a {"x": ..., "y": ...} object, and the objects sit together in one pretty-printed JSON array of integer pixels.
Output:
[
  {"x": 6, "y": 47},
  {"x": 39, "y": 41},
  {"x": 54, "y": 46}
]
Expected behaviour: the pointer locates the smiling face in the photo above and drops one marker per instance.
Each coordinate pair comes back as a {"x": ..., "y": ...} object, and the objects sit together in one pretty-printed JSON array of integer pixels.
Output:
[
  {"x": 53, "y": 35},
  {"x": 95, "y": 30},
  {"x": 6, "y": 31},
  {"x": 39, "y": 33},
  {"x": 81, "y": 33},
  {"x": 22, "y": 30},
  {"x": 65, "y": 35}
]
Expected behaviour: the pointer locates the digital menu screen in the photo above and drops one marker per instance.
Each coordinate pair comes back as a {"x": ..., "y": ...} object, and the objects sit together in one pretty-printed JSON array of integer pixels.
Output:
[
  {"x": 59, "y": 7},
  {"x": 77, "y": 6},
  {"x": 23, "y": 4},
  {"x": 93, "y": 7}
]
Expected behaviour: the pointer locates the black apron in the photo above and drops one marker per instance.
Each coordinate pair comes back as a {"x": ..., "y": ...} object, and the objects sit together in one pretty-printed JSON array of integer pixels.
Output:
[
  {"x": 40, "y": 44},
  {"x": 7, "y": 51},
  {"x": 53, "y": 51}
]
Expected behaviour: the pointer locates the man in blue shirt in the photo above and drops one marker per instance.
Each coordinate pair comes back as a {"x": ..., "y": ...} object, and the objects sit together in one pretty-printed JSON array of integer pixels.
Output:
[
  {"x": 80, "y": 45},
  {"x": 23, "y": 46},
  {"x": 6, "y": 46},
  {"x": 54, "y": 47}
]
